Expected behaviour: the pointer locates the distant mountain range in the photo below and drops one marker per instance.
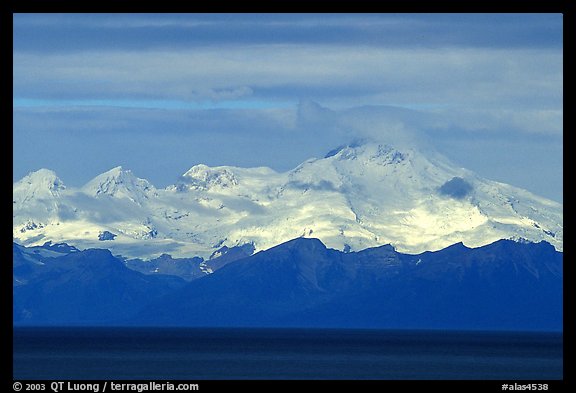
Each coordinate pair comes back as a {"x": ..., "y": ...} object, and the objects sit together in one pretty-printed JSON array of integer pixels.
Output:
[
  {"x": 369, "y": 236},
  {"x": 358, "y": 196},
  {"x": 506, "y": 285}
]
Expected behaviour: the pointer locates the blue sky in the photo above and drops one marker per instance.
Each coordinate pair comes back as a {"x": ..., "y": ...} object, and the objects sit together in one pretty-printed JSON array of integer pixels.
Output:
[{"x": 159, "y": 93}]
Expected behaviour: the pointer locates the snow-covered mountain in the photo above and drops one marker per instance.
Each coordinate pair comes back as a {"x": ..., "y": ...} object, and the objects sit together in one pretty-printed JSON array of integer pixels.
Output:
[
  {"x": 120, "y": 183},
  {"x": 37, "y": 198},
  {"x": 356, "y": 197}
]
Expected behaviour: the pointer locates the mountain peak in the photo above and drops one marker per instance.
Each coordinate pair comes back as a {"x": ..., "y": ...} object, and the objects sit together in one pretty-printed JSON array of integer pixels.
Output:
[
  {"x": 370, "y": 151},
  {"x": 42, "y": 183},
  {"x": 203, "y": 177},
  {"x": 118, "y": 170},
  {"x": 364, "y": 194},
  {"x": 43, "y": 177},
  {"x": 119, "y": 182},
  {"x": 352, "y": 145},
  {"x": 301, "y": 245}
]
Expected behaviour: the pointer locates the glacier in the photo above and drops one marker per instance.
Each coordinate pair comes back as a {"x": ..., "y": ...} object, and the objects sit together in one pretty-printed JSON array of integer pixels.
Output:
[{"x": 356, "y": 197}]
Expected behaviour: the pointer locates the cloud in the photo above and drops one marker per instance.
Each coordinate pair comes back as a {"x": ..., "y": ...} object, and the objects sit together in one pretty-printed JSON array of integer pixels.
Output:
[
  {"x": 351, "y": 69},
  {"x": 387, "y": 124},
  {"x": 92, "y": 208},
  {"x": 233, "y": 93},
  {"x": 504, "y": 68},
  {"x": 49, "y": 33},
  {"x": 456, "y": 188},
  {"x": 79, "y": 143},
  {"x": 322, "y": 185},
  {"x": 137, "y": 90},
  {"x": 468, "y": 87}
]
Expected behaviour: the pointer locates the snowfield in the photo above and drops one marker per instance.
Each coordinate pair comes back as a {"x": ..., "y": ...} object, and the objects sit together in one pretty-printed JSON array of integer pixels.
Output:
[{"x": 352, "y": 199}]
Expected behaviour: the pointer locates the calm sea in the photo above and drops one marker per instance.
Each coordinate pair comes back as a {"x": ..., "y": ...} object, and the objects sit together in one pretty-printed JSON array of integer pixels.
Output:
[{"x": 192, "y": 354}]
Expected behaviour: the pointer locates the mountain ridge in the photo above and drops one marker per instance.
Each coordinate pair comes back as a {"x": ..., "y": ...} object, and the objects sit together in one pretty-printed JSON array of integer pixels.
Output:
[
  {"x": 359, "y": 196},
  {"x": 505, "y": 285},
  {"x": 302, "y": 283}
]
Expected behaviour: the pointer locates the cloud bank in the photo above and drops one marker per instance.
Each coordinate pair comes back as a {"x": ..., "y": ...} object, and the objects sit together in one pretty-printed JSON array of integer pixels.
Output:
[{"x": 239, "y": 89}]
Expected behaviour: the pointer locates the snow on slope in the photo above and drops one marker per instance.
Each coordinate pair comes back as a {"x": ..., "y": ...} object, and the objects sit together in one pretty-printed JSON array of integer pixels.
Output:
[
  {"x": 354, "y": 198},
  {"x": 35, "y": 199},
  {"x": 120, "y": 183}
]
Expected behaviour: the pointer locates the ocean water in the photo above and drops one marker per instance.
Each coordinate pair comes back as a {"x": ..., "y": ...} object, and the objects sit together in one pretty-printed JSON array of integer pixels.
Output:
[{"x": 199, "y": 354}]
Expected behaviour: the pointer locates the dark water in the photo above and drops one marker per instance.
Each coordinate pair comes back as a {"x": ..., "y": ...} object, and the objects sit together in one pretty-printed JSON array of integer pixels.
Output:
[{"x": 193, "y": 354}]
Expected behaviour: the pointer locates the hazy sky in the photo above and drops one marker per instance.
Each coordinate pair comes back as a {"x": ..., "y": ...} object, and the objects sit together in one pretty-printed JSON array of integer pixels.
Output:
[{"x": 159, "y": 93}]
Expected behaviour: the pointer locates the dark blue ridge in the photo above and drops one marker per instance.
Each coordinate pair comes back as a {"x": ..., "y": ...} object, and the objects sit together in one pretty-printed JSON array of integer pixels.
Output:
[{"x": 505, "y": 285}]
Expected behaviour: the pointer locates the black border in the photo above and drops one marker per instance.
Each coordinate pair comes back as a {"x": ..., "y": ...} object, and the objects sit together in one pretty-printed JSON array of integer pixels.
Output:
[
  {"x": 6, "y": 28},
  {"x": 287, "y": 6},
  {"x": 298, "y": 6},
  {"x": 569, "y": 38}
]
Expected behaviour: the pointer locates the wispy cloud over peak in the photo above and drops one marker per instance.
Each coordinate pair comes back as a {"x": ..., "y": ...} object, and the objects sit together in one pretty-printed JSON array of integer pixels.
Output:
[{"x": 218, "y": 87}]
